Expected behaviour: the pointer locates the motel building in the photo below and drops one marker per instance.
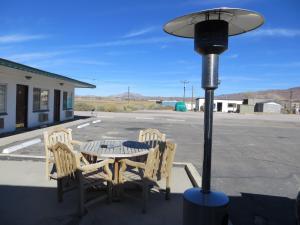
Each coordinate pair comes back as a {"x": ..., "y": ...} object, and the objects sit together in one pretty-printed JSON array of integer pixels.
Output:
[
  {"x": 31, "y": 97},
  {"x": 219, "y": 105}
]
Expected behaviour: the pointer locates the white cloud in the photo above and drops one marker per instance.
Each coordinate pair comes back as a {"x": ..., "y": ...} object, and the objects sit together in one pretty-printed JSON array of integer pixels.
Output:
[
  {"x": 128, "y": 42},
  {"x": 15, "y": 38},
  {"x": 25, "y": 57},
  {"x": 276, "y": 32},
  {"x": 140, "y": 32}
]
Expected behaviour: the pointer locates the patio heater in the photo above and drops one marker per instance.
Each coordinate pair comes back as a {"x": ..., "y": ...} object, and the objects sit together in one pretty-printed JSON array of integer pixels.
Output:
[{"x": 210, "y": 30}]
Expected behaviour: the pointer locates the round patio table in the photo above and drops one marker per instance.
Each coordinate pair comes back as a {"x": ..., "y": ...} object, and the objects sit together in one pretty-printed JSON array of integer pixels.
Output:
[{"x": 116, "y": 149}]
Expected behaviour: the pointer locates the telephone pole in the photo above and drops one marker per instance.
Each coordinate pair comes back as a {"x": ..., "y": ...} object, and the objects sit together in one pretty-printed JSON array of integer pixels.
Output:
[
  {"x": 192, "y": 107},
  {"x": 184, "y": 86},
  {"x": 128, "y": 91},
  {"x": 291, "y": 97}
]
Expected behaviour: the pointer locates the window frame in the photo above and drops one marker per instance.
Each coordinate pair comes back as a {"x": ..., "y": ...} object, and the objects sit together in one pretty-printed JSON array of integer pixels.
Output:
[
  {"x": 69, "y": 97},
  {"x": 3, "y": 113},
  {"x": 40, "y": 95}
]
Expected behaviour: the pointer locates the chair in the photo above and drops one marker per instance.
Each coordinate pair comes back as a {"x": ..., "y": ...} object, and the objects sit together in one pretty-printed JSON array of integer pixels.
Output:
[
  {"x": 62, "y": 135},
  {"x": 158, "y": 166},
  {"x": 85, "y": 176},
  {"x": 151, "y": 137}
]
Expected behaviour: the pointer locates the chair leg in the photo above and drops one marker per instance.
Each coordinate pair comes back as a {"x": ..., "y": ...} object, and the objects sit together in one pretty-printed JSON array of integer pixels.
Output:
[
  {"x": 168, "y": 190},
  {"x": 146, "y": 190},
  {"x": 59, "y": 190},
  {"x": 81, "y": 193},
  {"x": 109, "y": 191}
]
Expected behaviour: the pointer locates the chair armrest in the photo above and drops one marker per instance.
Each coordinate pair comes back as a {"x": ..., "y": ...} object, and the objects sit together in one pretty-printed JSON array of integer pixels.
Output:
[
  {"x": 133, "y": 163},
  {"x": 95, "y": 166},
  {"x": 74, "y": 142}
]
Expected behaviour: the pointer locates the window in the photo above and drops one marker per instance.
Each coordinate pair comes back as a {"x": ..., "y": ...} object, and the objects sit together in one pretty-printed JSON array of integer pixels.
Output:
[
  {"x": 40, "y": 99},
  {"x": 67, "y": 100},
  {"x": 2, "y": 98},
  {"x": 232, "y": 105}
]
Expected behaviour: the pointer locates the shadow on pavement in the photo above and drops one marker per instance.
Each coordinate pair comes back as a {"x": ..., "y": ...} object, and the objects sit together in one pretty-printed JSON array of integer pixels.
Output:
[
  {"x": 38, "y": 206},
  {"x": 254, "y": 209}
]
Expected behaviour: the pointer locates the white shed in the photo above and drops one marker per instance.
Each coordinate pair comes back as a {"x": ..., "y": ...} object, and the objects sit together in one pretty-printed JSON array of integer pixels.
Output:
[
  {"x": 219, "y": 105},
  {"x": 268, "y": 107},
  {"x": 31, "y": 97}
]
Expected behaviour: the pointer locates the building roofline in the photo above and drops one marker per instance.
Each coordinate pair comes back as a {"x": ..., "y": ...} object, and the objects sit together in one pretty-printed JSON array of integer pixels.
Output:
[{"x": 19, "y": 66}]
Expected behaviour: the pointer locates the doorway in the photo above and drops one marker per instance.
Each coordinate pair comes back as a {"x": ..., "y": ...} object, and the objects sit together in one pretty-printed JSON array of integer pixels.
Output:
[
  {"x": 21, "y": 106},
  {"x": 219, "y": 107},
  {"x": 56, "y": 110}
]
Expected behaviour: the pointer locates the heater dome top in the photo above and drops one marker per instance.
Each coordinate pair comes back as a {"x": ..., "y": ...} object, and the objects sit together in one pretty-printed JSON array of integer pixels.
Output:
[{"x": 239, "y": 21}]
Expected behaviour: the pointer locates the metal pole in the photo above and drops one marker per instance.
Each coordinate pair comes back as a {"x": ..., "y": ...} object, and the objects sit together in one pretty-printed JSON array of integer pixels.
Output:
[
  {"x": 210, "y": 79},
  {"x": 208, "y": 122}
]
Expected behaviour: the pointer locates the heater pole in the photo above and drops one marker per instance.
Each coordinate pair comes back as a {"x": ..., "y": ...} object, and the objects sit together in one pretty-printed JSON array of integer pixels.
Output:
[{"x": 208, "y": 125}]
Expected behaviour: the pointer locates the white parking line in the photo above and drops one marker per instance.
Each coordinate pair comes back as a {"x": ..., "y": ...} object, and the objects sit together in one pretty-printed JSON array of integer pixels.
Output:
[
  {"x": 83, "y": 125},
  {"x": 112, "y": 138},
  {"x": 176, "y": 120},
  {"x": 144, "y": 118},
  {"x": 105, "y": 116},
  {"x": 96, "y": 121},
  {"x": 20, "y": 146}
]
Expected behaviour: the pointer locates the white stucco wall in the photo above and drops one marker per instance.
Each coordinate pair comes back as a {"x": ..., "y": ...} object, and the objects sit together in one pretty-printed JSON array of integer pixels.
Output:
[
  {"x": 12, "y": 77},
  {"x": 225, "y": 108}
]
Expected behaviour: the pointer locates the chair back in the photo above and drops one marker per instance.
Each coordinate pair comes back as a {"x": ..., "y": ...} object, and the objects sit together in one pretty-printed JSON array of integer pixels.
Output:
[
  {"x": 152, "y": 137},
  {"x": 167, "y": 159},
  {"x": 152, "y": 163},
  {"x": 65, "y": 160},
  {"x": 59, "y": 134},
  {"x": 160, "y": 160}
]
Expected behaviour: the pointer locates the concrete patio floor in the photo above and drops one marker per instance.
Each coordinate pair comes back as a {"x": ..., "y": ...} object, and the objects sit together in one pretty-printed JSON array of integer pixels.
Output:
[{"x": 27, "y": 197}]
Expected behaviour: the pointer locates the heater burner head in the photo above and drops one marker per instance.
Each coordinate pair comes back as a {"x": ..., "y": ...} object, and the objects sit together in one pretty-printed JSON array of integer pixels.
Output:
[{"x": 239, "y": 21}]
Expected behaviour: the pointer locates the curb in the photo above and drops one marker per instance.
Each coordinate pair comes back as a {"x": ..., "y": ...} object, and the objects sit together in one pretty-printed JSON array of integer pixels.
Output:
[
  {"x": 17, "y": 157},
  {"x": 192, "y": 173}
]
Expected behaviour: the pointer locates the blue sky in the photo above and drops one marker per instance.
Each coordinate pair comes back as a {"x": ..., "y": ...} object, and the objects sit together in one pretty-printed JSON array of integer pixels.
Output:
[{"x": 116, "y": 44}]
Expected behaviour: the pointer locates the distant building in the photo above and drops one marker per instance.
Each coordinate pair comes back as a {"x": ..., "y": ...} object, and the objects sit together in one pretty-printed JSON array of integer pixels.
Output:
[
  {"x": 169, "y": 103},
  {"x": 30, "y": 97},
  {"x": 219, "y": 105},
  {"x": 268, "y": 107}
]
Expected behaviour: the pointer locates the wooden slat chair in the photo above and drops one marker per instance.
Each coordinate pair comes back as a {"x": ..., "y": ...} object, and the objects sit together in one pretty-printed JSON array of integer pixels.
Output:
[
  {"x": 62, "y": 135},
  {"x": 152, "y": 137},
  {"x": 157, "y": 167},
  {"x": 94, "y": 175}
]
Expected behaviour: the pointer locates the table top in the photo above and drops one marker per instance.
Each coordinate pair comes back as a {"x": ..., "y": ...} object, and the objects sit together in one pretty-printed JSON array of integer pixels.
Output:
[{"x": 115, "y": 148}]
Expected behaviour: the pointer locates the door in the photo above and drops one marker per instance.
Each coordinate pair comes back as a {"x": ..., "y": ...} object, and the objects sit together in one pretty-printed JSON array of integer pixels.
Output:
[
  {"x": 21, "y": 106},
  {"x": 56, "y": 107},
  {"x": 219, "y": 107}
]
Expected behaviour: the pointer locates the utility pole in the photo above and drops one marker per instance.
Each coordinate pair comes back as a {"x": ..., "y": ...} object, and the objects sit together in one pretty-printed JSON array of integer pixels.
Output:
[
  {"x": 184, "y": 85},
  {"x": 192, "y": 98},
  {"x": 291, "y": 97},
  {"x": 128, "y": 98}
]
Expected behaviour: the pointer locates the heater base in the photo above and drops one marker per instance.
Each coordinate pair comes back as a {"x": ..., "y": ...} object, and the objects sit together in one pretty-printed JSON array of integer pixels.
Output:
[{"x": 205, "y": 208}]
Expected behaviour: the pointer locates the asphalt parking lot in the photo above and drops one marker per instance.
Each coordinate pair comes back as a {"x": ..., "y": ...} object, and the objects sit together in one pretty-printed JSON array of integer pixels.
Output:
[{"x": 251, "y": 153}]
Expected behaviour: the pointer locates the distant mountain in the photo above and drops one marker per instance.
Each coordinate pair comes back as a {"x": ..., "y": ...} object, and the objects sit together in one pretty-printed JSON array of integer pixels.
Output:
[{"x": 277, "y": 95}]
